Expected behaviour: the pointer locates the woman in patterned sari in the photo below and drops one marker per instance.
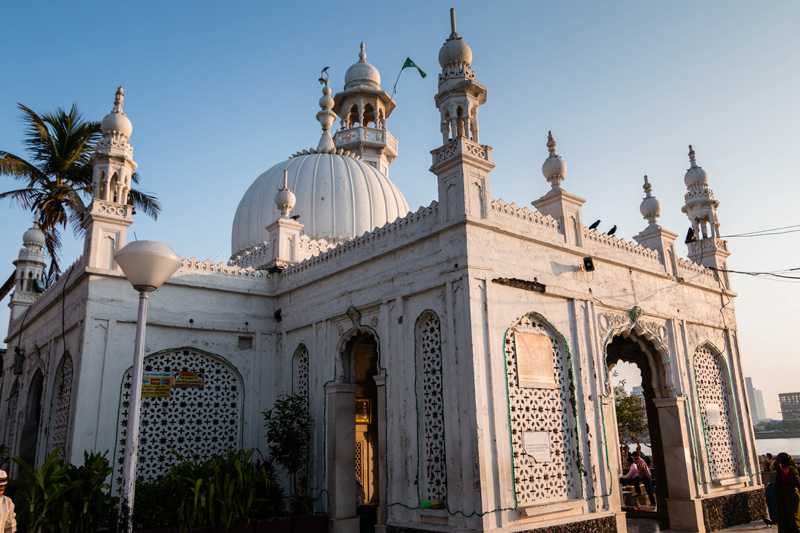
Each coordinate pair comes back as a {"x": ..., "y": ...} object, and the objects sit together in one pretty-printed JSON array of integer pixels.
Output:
[{"x": 787, "y": 492}]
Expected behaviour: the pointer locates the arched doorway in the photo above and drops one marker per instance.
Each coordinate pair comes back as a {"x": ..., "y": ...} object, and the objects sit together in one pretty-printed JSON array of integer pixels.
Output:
[
  {"x": 354, "y": 407},
  {"x": 29, "y": 438}
]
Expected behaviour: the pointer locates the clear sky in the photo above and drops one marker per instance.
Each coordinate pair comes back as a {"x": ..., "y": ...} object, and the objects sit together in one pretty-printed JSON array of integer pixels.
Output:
[{"x": 218, "y": 92}]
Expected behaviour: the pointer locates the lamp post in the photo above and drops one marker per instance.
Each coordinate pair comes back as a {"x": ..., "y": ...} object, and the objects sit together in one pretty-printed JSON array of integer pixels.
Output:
[{"x": 147, "y": 265}]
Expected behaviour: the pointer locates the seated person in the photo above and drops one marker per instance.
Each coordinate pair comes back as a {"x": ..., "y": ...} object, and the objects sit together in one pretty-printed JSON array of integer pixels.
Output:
[{"x": 632, "y": 477}]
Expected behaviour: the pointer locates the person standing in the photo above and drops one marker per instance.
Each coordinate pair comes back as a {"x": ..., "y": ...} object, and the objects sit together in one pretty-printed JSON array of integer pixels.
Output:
[
  {"x": 787, "y": 492},
  {"x": 8, "y": 519},
  {"x": 644, "y": 476}
]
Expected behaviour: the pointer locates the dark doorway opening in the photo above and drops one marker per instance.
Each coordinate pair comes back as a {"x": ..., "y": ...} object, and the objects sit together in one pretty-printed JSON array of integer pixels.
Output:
[{"x": 29, "y": 439}]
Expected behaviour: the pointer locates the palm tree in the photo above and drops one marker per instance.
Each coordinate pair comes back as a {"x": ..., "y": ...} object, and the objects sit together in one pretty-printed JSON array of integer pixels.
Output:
[{"x": 59, "y": 176}]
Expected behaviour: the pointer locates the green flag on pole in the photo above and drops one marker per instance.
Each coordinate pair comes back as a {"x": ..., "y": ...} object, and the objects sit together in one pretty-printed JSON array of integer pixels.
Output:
[
  {"x": 410, "y": 63},
  {"x": 407, "y": 64}
]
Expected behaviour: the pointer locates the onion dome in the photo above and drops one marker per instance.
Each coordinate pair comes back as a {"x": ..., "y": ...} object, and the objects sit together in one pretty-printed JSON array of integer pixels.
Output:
[
  {"x": 116, "y": 121},
  {"x": 337, "y": 196},
  {"x": 554, "y": 168},
  {"x": 650, "y": 208},
  {"x": 455, "y": 51},
  {"x": 362, "y": 73},
  {"x": 34, "y": 235},
  {"x": 695, "y": 176}
]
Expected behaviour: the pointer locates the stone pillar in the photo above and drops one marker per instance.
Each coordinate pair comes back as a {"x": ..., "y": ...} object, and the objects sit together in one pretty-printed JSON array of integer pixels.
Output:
[
  {"x": 380, "y": 381},
  {"x": 341, "y": 431},
  {"x": 684, "y": 509}
]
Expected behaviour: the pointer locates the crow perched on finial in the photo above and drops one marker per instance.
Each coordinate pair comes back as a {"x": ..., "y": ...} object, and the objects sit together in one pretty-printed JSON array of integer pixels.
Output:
[
  {"x": 323, "y": 77},
  {"x": 594, "y": 225},
  {"x": 690, "y": 236},
  {"x": 613, "y": 230}
]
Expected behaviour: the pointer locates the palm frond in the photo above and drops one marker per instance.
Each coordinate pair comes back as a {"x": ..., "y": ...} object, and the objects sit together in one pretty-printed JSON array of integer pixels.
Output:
[
  {"x": 18, "y": 168},
  {"x": 145, "y": 202}
]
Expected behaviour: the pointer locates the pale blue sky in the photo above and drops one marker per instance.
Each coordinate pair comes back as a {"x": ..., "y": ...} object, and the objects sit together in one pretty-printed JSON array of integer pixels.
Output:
[{"x": 219, "y": 92}]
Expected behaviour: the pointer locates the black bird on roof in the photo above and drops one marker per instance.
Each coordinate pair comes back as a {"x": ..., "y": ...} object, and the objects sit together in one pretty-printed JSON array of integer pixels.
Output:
[
  {"x": 613, "y": 230},
  {"x": 594, "y": 225}
]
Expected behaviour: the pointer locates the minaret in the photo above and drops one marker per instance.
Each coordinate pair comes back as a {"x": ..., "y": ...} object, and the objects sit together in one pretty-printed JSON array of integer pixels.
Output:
[
  {"x": 701, "y": 208},
  {"x": 109, "y": 213},
  {"x": 363, "y": 108},
  {"x": 461, "y": 164},
  {"x": 30, "y": 265},
  {"x": 563, "y": 206},
  {"x": 654, "y": 236}
]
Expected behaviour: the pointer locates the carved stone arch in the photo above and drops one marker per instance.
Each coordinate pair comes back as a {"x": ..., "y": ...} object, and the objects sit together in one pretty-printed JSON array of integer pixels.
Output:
[
  {"x": 369, "y": 115},
  {"x": 344, "y": 351},
  {"x": 60, "y": 402},
  {"x": 201, "y": 415},
  {"x": 112, "y": 187},
  {"x": 29, "y": 434},
  {"x": 353, "y": 116},
  {"x": 649, "y": 341},
  {"x": 718, "y": 415}
]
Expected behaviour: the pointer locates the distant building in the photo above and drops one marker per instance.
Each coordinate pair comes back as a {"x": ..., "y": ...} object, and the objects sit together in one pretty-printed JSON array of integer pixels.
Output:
[
  {"x": 790, "y": 405},
  {"x": 756, "y": 400}
]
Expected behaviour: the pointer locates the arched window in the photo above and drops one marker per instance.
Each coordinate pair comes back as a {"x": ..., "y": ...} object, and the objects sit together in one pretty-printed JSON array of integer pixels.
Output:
[
  {"x": 540, "y": 397},
  {"x": 199, "y": 413},
  {"x": 369, "y": 115},
  {"x": 352, "y": 118},
  {"x": 60, "y": 404},
  {"x": 11, "y": 418},
  {"x": 717, "y": 412},
  {"x": 433, "y": 464}
]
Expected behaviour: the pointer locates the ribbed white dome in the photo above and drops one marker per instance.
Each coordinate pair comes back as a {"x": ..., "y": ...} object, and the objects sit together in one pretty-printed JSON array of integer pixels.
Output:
[{"x": 338, "y": 198}]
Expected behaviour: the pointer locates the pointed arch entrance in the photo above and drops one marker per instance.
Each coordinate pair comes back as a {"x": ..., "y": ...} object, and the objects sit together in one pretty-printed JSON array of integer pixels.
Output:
[
  {"x": 29, "y": 440},
  {"x": 356, "y": 431},
  {"x": 666, "y": 416}
]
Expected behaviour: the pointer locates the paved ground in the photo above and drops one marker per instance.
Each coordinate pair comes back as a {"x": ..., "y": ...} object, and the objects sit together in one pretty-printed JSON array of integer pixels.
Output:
[{"x": 647, "y": 525}]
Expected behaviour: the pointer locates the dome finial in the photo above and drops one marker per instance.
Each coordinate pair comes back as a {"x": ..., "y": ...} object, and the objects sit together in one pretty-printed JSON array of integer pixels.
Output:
[
  {"x": 554, "y": 168},
  {"x": 325, "y": 115},
  {"x": 362, "y": 55},
  {"x": 119, "y": 98},
  {"x": 285, "y": 198},
  {"x": 691, "y": 157},
  {"x": 551, "y": 144},
  {"x": 650, "y": 208}
]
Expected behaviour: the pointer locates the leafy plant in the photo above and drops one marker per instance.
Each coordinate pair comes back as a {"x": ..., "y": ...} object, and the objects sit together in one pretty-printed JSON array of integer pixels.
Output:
[
  {"x": 288, "y": 426},
  {"x": 43, "y": 504},
  {"x": 90, "y": 502},
  {"x": 154, "y": 504}
]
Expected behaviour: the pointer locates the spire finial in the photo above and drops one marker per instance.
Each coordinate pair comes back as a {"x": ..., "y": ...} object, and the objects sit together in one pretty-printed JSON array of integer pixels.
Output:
[
  {"x": 453, "y": 34},
  {"x": 551, "y": 144},
  {"x": 691, "y": 157},
  {"x": 325, "y": 115},
  {"x": 119, "y": 98},
  {"x": 650, "y": 208},
  {"x": 285, "y": 198},
  {"x": 362, "y": 55}
]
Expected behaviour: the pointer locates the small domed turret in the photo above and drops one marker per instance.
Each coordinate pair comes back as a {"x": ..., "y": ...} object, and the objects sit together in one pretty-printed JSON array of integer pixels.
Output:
[
  {"x": 695, "y": 176},
  {"x": 362, "y": 73},
  {"x": 116, "y": 121},
  {"x": 554, "y": 168},
  {"x": 34, "y": 235},
  {"x": 455, "y": 51}
]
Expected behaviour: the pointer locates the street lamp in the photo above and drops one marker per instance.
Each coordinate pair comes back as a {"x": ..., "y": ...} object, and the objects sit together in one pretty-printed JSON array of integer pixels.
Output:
[{"x": 147, "y": 265}]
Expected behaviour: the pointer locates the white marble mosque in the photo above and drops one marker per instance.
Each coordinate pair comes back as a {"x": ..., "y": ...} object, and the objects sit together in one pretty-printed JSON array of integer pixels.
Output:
[{"x": 459, "y": 352}]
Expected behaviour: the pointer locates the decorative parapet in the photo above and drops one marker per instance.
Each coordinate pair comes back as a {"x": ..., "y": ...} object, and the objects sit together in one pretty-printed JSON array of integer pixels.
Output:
[
  {"x": 207, "y": 266},
  {"x": 621, "y": 245},
  {"x": 252, "y": 257},
  {"x": 308, "y": 247},
  {"x": 692, "y": 268},
  {"x": 459, "y": 146},
  {"x": 707, "y": 245},
  {"x": 367, "y": 135},
  {"x": 423, "y": 214},
  {"x": 524, "y": 214},
  {"x": 116, "y": 142}
]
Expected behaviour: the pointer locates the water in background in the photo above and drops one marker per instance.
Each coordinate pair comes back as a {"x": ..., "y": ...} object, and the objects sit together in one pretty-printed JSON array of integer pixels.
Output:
[
  {"x": 776, "y": 446},
  {"x": 773, "y": 446}
]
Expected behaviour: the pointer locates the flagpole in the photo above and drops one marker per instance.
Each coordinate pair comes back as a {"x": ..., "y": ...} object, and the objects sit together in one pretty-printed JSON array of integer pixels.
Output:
[{"x": 395, "y": 83}]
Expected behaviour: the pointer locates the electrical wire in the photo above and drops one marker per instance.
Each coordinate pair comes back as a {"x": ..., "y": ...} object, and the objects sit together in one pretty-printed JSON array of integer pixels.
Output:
[{"x": 764, "y": 232}]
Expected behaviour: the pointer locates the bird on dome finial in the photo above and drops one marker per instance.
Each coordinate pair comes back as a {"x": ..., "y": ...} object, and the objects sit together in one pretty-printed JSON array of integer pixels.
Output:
[{"x": 119, "y": 98}]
